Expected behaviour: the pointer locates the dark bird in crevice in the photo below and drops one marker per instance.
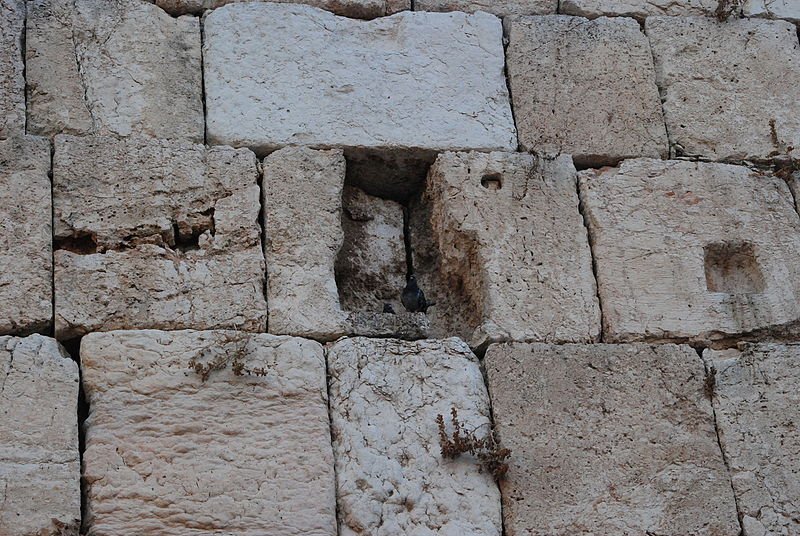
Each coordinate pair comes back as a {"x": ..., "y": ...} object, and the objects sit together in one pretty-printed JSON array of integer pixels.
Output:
[
  {"x": 387, "y": 308},
  {"x": 413, "y": 298}
]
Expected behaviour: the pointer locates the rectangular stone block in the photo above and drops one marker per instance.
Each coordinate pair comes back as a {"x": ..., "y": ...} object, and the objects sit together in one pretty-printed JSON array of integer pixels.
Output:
[
  {"x": 120, "y": 68},
  {"x": 391, "y": 477},
  {"x": 408, "y": 84},
  {"x": 690, "y": 250},
  {"x": 245, "y": 451},
  {"x": 772, "y": 9},
  {"x": 608, "y": 439},
  {"x": 501, "y": 9},
  {"x": 501, "y": 249},
  {"x": 757, "y": 408},
  {"x": 26, "y": 263},
  {"x": 638, "y": 8},
  {"x": 729, "y": 90},
  {"x": 362, "y": 9},
  {"x": 156, "y": 234},
  {"x": 12, "y": 68},
  {"x": 40, "y": 471},
  {"x": 585, "y": 88}
]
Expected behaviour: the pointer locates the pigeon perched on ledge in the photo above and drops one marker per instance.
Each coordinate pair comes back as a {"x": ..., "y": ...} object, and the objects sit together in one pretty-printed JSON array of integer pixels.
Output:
[{"x": 413, "y": 298}]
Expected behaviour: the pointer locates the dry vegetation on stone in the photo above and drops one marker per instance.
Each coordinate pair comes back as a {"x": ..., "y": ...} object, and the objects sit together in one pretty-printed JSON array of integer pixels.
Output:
[{"x": 486, "y": 450}]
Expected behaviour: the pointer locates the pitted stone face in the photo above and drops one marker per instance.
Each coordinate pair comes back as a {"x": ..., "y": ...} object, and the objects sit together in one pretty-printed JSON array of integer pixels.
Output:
[
  {"x": 772, "y": 9},
  {"x": 688, "y": 250},
  {"x": 638, "y": 8},
  {"x": 362, "y": 9},
  {"x": 501, "y": 9},
  {"x": 12, "y": 68}
]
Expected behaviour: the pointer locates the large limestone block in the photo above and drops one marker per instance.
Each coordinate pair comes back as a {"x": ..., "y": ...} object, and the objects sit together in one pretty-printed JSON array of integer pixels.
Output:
[
  {"x": 391, "y": 477},
  {"x": 585, "y": 88},
  {"x": 499, "y": 8},
  {"x": 511, "y": 258},
  {"x": 608, "y": 439},
  {"x": 772, "y": 9},
  {"x": 40, "y": 471},
  {"x": 758, "y": 407},
  {"x": 26, "y": 267},
  {"x": 730, "y": 90},
  {"x": 123, "y": 67},
  {"x": 688, "y": 250},
  {"x": 170, "y": 454},
  {"x": 638, "y": 8},
  {"x": 12, "y": 68},
  {"x": 407, "y": 84},
  {"x": 362, "y": 9},
  {"x": 156, "y": 234}
]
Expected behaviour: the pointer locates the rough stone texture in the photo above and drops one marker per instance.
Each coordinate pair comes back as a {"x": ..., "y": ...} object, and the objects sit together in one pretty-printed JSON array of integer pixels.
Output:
[
  {"x": 169, "y": 454},
  {"x": 730, "y": 90},
  {"x": 12, "y": 68},
  {"x": 692, "y": 250},
  {"x": 638, "y": 8},
  {"x": 772, "y": 9},
  {"x": 608, "y": 439},
  {"x": 501, "y": 9},
  {"x": 757, "y": 408},
  {"x": 122, "y": 67},
  {"x": 391, "y": 477},
  {"x": 303, "y": 233},
  {"x": 410, "y": 83},
  {"x": 585, "y": 88},
  {"x": 794, "y": 186},
  {"x": 39, "y": 463},
  {"x": 155, "y": 234},
  {"x": 371, "y": 265},
  {"x": 362, "y": 9},
  {"x": 502, "y": 250},
  {"x": 400, "y": 325},
  {"x": 26, "y": 267}
]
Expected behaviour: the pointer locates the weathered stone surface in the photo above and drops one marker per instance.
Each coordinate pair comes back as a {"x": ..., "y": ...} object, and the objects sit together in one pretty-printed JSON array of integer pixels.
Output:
[
  {"x": 122, "y": 67},
  {"x": 362, "y": 9},
  {"x": 409, "y": 83},
  {"x": 688, "y": 250},
  {"x": 400, "y": 324},
  {"x": 501, "y": 9},
  {"x": 608, "y": 439},
  {"x": 757, "y": 408},
  {"x": 40, "y": 470},
  {"x": 638, "y": 8},
  {"x": 26, "y": 268},
  {"x": 170, "y": 454},
  {"x": 585, "y": 88},
  {"x": 730, "y": 90},
  {"x": 502, "y": 250},
  {"x": 391, "y": 477},
  {"x": 12, "y": 68},
  {"x": 155, "y": 234},
  {"x": 772, "y": 9},
  {"x": 371, "y": 265}
]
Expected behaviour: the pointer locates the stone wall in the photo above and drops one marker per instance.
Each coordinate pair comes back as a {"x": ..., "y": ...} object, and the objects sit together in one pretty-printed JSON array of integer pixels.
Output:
[{"x": 213, "y": 208}]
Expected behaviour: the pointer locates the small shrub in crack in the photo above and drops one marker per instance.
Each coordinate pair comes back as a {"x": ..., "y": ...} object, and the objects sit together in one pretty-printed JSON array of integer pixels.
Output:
[
  {"x": 486, "y": 450},
  {"x": 232, "y": 351},
  {"x": 710, "y": 382},
  {"x": 727, "y": 9}
]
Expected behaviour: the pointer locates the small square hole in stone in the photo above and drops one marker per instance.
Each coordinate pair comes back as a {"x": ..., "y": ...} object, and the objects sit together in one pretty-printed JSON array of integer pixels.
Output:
[
  {"x": 492, "y": 181},
  {"x": 732, "y": 268}
]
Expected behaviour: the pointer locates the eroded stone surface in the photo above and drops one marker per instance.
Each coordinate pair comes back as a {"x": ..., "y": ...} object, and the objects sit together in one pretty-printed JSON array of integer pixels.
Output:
[
  {"x": 409, "y": 83},
  {"x": 123, "y": 67},
  {"x": 756, "y": 402},
  {"x": 772, "y": 9},
  {"x": 638, "y": 8},
  {"x": 585, "y": 88},
  {"x": 391, "y": 477},
  {"x": 502, "y": 250},
  {"x": 730, "y": 90},
  {"x": 608, "y": 439},
  {"x": 26, "y": 268},
  {"x": 362, "y": 9},
  {"x": 167, "y": 453},
  {"x": 155, "y": 234},
  {"x": 39, "y": 462},
  {"x": 501, "y": 9},
  {"x": 12, "y": 68},
  {"x": 692, "y": 250}
]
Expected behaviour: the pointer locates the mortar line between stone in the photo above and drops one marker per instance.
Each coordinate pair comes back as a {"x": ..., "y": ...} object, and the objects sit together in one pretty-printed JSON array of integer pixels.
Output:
[
  {"x": 330, "y": 434},
  {"x": 507, "y": 78},
  {"x": 23, "y": 45},
  {"x": 201, "y": 20},
  {"x": 590, "y": 238},
  {"x": 658, "y": 88},
  {"x": 51, "y": 145}
]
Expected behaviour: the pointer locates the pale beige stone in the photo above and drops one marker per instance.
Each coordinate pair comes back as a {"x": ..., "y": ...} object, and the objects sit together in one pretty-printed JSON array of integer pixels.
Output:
[
  {"x": 585, "y": 88},
  {"x": 773, "y": 9},
  {"x": 12, "y": 68},
  {"x": 40, "y": 469},
  {"x": 391, "y": 477},
  {"x": 502, "y": 250},
  {"x": 169, "y": 454},
  {"x": 26, "y": 267},
  {"x": 362, "y": 9},
  {"x": 730, "y": 90},
  {"x": 758, "y": 407},
  {"x": 689, "y": 250},
  {"x": 608, "y": 439},
  {"x": 156, "y": 234},
  {"x": 638, "y": 8},
  {"x": 122, "y": 67},
  {"x": 500, "y": 8}
]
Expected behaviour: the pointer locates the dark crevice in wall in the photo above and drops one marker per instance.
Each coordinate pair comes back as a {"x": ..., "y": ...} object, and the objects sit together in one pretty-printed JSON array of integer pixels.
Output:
[
  {"x": 592, "y": 247},
  {"x": 662, "y": 93},
  {"x": 203, "y": 79},
  {"x": 23, "y": 39},
  {"x": 73, "y": 346},
  {"x": 263, "y": 232},
  {"x": 52, "y": 244},
  {"x": 329, "y": 376},
  {"x": 507, "y": 78}
]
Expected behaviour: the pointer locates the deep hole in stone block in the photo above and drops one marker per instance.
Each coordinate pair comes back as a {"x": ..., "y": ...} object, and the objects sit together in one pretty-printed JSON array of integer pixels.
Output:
[
  {"x": 82, "y": 243},
  {"x": 732, "y": 268},
  {"x": 492, "y": 181}
]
